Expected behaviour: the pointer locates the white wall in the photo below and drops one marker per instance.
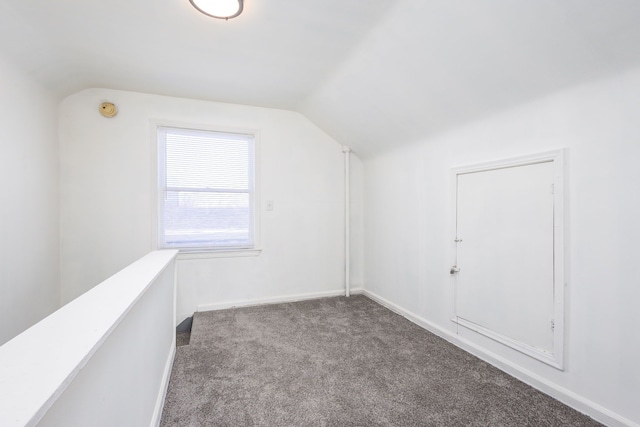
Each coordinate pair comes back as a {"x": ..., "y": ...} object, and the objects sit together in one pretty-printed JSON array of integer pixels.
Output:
[
  {"x": 107, "y": 203},
  {"x": 408, "y": 240},
  {"x": 29, "y": 287}
]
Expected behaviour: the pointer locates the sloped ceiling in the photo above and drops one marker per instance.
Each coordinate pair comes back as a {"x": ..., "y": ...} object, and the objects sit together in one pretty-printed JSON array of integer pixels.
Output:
[
  {"x": 273, "y": 55},
  {"x": 433, "y": 65},
  {"x": 372, "y": 73}
]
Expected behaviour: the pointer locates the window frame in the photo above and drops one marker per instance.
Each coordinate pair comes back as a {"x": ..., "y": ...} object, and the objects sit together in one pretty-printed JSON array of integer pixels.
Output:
[{"x": 159, "y": 187}]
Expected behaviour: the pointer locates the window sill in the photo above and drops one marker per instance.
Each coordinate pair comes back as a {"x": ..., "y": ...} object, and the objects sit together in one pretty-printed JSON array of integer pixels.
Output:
[{"x": 230, "y": 253}]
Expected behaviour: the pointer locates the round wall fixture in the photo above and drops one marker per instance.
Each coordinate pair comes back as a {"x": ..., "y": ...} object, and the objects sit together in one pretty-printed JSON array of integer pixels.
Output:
[{"x": 107, "y": 109}]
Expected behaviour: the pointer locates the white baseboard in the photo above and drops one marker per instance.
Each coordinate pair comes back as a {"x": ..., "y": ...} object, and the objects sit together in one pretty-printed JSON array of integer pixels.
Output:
[
  {"x": 275, "y": 300},
  {"x": 164, "y": 386},
  {"x": 568, "y": 397}
]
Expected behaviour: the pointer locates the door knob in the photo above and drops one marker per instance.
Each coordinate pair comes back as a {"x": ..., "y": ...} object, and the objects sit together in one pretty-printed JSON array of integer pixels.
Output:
[{"x": 454, "y": 269}]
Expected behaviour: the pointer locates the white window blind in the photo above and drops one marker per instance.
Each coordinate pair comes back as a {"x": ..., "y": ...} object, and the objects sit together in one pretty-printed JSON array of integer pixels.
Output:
[{"x": 206, "y": 189}]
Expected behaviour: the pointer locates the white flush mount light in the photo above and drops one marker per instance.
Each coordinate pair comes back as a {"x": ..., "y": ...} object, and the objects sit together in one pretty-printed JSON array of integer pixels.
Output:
[{"x": 221, "y": 9}]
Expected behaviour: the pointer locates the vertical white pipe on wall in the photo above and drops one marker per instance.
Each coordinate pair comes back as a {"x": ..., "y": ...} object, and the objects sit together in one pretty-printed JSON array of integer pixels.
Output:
[{"x": 347, "y": 221}]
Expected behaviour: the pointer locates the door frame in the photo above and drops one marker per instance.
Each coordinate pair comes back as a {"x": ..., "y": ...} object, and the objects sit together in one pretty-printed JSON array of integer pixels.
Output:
[{"x": 557, "y": 157}]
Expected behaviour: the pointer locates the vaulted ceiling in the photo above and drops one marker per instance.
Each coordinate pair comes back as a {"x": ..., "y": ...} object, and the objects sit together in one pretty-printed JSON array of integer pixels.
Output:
[{"x": 371, "y": 73}]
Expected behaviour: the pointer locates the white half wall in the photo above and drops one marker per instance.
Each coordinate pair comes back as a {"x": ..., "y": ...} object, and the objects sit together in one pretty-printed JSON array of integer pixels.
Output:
[
  {"x": 104, "y": 359},
  {"x": 29, "y": 248},
  {"x": 124, "y": 378},
  {"x": 108, "y": 205},
  {"x": 408, "y": 239}
]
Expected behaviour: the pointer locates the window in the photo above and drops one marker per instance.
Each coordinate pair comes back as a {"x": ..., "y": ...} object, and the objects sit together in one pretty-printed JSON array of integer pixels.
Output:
[{"x": 206, "y": 189}]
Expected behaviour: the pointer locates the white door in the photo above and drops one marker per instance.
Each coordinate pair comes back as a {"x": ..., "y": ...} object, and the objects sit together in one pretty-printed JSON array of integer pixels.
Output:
[{"x": 505, "y": 254}]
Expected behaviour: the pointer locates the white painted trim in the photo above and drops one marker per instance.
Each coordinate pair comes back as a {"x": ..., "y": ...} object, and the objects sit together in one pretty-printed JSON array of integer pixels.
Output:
[
  {"x": 557, "y": 157},
  {"x": 517, "y": 345},
  {"x": 164, "y": 387},
  {"x": 528, "y": 159},
  {"x": 564, "y": 395},
  {"x": 275, "y": 300},
  {"x": 186, "y": 255}
]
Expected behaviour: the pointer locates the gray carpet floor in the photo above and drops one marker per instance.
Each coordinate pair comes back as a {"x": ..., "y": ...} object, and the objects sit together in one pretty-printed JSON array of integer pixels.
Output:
[{"x": 341, "y": 362}]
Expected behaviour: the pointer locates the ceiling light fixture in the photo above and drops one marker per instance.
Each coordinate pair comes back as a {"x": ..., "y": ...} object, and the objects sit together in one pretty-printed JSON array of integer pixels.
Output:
[{"x": 221, "y": 9}]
